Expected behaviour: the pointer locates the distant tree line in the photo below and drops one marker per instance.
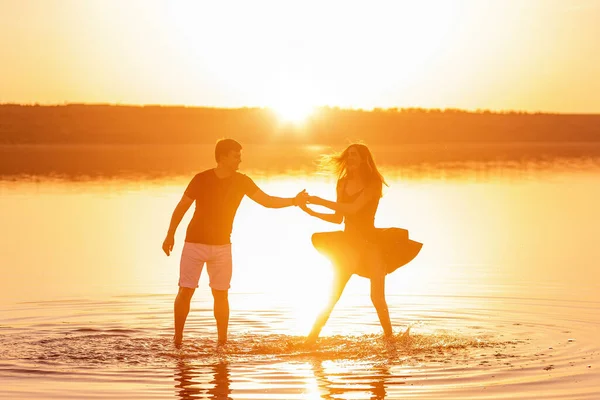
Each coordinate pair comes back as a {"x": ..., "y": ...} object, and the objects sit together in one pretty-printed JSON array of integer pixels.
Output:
[{"x": 114, "y": 124}]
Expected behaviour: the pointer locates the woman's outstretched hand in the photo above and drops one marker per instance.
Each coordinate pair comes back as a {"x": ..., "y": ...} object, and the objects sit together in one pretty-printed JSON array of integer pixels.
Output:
[
  {"x": 314, "y": 199},
  {"x": 304, "y": 208}
]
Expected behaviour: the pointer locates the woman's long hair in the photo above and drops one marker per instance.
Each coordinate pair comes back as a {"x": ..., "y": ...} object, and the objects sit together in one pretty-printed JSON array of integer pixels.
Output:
[{"x": 368, "y": 170}]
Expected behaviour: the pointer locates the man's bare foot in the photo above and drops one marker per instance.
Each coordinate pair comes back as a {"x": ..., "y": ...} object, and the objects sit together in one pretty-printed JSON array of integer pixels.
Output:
[{"x": 178, "y": 340}]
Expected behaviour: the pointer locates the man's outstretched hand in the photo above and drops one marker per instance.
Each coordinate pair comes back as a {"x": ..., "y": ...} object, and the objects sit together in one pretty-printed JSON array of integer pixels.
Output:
[
  {"x": 301, "y": 198},
  {"x": 167, "y": 245}
]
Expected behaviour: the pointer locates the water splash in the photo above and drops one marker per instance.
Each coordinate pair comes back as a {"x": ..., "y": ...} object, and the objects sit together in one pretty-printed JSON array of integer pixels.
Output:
[{"x": 121, "y": 346}]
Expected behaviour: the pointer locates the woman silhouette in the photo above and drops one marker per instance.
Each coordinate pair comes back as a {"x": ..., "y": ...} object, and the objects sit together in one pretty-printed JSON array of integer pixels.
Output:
[{"x": 361, "y": 248}]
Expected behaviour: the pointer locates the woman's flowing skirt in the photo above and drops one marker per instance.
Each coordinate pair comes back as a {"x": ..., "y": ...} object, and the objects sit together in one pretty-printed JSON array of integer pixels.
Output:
[{"x": 350, "y": 251}]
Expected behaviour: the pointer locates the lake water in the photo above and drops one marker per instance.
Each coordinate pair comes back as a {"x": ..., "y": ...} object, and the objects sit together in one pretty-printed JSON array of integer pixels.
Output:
[{"x": 502, "y": 302}]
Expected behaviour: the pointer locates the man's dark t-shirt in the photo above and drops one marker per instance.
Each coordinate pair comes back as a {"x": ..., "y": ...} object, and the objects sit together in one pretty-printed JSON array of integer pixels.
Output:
[{"x": 217, "y": 200}]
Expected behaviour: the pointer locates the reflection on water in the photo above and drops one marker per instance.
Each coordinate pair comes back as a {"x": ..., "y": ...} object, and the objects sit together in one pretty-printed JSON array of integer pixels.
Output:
[
  {"x": 202, "y": 382},
  {"x": 324, "y": 380},
  {"x": 333, "y": 382},
  {"x": 504, "y": 345},
  {"x": 84, "y": 162}
]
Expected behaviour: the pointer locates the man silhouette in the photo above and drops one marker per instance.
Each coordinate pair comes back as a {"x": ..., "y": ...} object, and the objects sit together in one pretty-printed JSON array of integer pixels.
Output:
[{"x": 217, "y": 192}]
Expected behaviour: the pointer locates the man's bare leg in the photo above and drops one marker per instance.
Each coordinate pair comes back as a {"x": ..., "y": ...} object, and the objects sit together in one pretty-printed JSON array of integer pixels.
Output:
[
  {"x": 181, "y": 311},
  {"x": 221, "y": 311}
]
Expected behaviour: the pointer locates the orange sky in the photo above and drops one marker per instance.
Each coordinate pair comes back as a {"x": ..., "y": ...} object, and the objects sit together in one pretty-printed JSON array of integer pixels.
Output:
[{"x": 511, "y": 54}]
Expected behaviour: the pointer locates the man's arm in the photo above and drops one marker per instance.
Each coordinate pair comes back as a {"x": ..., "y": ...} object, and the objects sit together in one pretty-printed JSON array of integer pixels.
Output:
[
  {"x": 335, "y": 218},
  {"x": 180, "y": 210},
  {"x": 277, "y": 202}
]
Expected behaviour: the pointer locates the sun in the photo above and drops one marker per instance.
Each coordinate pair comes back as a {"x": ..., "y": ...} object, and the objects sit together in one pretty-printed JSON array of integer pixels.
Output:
[
  {"x": 293, "y": 112},
  {"x": 292, "y": 97}
]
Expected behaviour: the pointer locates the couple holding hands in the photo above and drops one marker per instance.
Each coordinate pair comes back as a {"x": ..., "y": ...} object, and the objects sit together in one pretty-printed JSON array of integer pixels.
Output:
[{"x": 359, "y": 249}]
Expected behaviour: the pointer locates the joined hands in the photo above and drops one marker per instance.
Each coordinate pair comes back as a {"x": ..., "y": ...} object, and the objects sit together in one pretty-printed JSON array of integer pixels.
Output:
[{"x": 303, "y": 198}]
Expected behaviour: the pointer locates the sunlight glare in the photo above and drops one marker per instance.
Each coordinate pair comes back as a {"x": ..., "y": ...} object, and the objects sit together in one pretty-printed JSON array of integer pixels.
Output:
[
  {"x": 293, "y": 112},
  {"x": 292, "y": 99}
]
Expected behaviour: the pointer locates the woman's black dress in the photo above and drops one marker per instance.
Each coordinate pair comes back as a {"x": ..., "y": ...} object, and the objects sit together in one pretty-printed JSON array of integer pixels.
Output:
[{"x": 350, "y": 249}]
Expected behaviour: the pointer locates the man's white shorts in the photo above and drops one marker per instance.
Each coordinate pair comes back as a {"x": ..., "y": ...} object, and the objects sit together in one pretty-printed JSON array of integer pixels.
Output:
[{"x": 218, "y": 263}]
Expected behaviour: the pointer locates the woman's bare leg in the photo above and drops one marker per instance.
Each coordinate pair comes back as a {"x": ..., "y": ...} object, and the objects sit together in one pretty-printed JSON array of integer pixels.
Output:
[
  {"x": 378, "y": 291},
  {"x": 340, "y": 279}
]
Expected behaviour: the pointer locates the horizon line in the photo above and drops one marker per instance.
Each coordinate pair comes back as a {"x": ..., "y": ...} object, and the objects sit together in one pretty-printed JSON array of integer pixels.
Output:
[{"x": 397, "y": 109}]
